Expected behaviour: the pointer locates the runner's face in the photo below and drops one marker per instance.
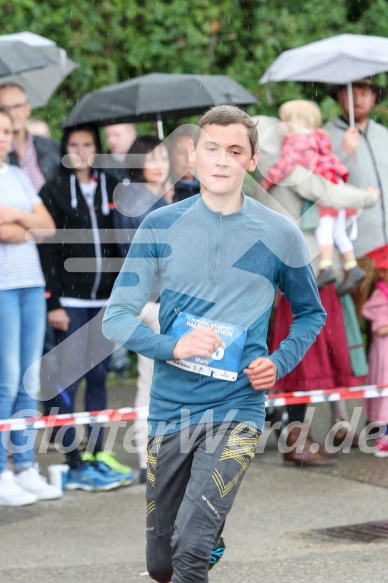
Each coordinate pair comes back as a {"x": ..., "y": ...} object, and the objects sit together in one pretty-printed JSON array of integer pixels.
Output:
[{"x": 223, "y": 156}]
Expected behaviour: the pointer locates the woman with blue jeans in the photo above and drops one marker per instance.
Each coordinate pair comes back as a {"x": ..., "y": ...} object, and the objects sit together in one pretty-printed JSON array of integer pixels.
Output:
[{"x": 22, "y": 317}]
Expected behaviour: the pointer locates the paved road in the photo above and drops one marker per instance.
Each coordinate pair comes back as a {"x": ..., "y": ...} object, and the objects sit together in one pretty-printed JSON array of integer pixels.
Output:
[{"x": 270, "y": 533}]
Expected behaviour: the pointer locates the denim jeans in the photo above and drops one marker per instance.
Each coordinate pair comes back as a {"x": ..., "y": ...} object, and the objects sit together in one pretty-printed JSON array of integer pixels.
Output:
[
  {"x": 48, "y": 370},
  {"x": 22, "y": 327},
  {"x": 75, "y": 356}
]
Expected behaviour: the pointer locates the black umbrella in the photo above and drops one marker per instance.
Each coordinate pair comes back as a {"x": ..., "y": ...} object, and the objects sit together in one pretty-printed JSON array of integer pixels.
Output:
[
  {"x": 17, "y": 57},
  {"x": 157, "y": 96}
]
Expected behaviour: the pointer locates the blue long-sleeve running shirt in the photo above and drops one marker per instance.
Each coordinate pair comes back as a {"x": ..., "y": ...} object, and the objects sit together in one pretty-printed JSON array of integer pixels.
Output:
[{"x": 225, "y": 268}]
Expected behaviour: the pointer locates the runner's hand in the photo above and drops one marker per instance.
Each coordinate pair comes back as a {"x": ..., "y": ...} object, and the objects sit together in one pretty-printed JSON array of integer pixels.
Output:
[
  {"x": 261, "y": 373},
  {"x": 198, "y": 342}
]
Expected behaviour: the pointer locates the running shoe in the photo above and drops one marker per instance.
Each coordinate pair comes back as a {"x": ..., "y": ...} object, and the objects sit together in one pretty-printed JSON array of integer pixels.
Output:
[
  {"x": 11, "y": 494},
  {"x": 107, "y": 461},
  {"x": 109, "y": 458},
  {"x": 92, "y": 478},
  {"x": 126, "y": 479},
  {"x": 217, "y": 552},
  {"x": 33, "y": 482}
]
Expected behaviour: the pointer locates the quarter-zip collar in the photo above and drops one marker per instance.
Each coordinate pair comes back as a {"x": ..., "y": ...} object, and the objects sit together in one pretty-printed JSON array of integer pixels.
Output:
[{"x": 214, "y": 217}]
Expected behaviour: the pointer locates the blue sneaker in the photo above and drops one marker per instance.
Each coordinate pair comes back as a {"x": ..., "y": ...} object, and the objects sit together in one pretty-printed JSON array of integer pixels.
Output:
[
  {"x": 87, "y": 477},
  {"x": 217, "y": 552},
  {"x": 108, "y": 458},
  {"x": 106, "y": 471}
]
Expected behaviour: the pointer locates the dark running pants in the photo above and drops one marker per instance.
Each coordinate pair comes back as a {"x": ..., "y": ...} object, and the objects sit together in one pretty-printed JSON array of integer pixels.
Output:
[{"x": 192, "y": 479}]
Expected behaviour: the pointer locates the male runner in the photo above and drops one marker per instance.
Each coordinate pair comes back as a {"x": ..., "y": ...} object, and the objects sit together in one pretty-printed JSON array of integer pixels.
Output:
[{"x": 218, "y": 257}]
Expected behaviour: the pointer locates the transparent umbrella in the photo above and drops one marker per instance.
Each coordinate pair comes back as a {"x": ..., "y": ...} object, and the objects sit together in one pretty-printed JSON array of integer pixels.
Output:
[
  {"x": 41, "y": 83},
  {"x": 339, "y": 59},
  {"x": 17, "y": 57}
]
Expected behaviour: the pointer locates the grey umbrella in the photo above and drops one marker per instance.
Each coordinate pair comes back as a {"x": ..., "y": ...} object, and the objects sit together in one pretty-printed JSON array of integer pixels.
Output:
[
  {"x": 157, "y": 96},
  {"x": 39, "y": 84},
  {"x": 339, "y": 59},
  {"x": 17, "y": 57}
]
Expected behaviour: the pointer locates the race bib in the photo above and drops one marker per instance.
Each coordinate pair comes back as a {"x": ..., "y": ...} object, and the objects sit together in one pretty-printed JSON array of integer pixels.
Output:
[{"x": 222, "y": 364}]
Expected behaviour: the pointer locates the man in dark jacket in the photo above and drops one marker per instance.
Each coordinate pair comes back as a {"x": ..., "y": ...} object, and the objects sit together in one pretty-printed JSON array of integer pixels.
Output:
[{"x": 38, "y": 157}]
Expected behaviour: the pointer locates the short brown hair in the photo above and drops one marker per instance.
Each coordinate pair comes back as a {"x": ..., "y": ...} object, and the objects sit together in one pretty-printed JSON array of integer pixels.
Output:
[
  {"x": 225, "y": 115},
  {"x": 13, "y": 86}
]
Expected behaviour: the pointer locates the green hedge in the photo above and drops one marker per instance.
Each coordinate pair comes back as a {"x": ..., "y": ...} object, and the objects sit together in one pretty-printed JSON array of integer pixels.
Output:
[{"x": 115, "y": 40}]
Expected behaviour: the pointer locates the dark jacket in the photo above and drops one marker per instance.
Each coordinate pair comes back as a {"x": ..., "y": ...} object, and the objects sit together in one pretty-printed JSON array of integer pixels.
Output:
[
  {"x": 184, "y": 189},
  {"x": 87, "y": 250},
  {"x": 134, "y": 202},
  {"x": 48, "y": 154},
  {"x": 116, "y": 168}
]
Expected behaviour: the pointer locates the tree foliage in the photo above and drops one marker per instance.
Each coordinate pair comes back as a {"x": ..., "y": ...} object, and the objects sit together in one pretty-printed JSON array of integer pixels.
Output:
[{"x": 115, "y": 40}]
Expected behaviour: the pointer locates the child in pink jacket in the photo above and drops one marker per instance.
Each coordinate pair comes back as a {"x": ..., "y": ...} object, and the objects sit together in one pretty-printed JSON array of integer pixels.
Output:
[
  {"x": 375, "y": 309},
  {"x": 305, "y": 144}
]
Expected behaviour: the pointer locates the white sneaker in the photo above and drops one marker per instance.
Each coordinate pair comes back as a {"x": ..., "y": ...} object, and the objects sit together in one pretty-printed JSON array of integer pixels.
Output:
[
  {"x": 11, "y": 494},
  {"x": 31, "y": 481}
]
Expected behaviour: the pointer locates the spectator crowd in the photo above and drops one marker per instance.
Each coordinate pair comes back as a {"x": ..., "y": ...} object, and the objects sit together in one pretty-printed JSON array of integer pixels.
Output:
[{"x": 66, "y": 227}]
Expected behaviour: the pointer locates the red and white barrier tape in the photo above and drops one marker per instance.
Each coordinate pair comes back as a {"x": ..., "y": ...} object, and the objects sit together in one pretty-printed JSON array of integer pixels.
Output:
[
  {"x": 129, "y": 414},
  {"x": 83, "y": 418},
  {"x": 327, "y": 395}
]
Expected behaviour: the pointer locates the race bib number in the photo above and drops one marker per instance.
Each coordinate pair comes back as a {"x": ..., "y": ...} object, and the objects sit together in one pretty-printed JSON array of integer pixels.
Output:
[{"x": 225, "y": 362}]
